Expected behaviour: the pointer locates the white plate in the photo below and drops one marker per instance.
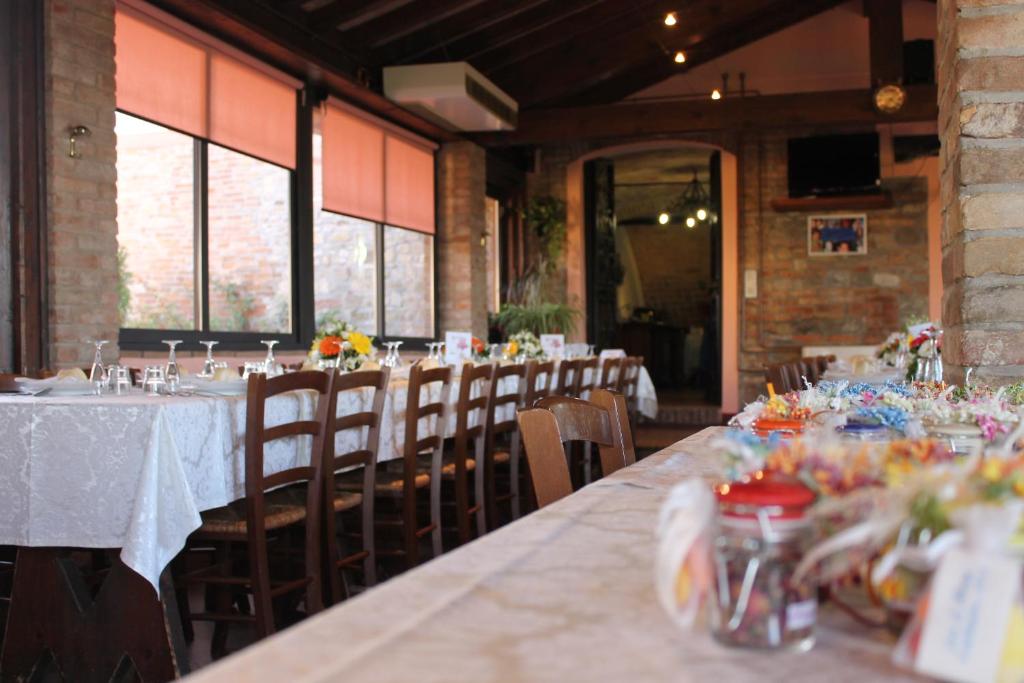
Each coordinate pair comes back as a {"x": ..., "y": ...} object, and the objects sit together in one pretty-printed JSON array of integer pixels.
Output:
[
  {"x": 54, "y": 386},
  {"x": 231, "y": 387}
]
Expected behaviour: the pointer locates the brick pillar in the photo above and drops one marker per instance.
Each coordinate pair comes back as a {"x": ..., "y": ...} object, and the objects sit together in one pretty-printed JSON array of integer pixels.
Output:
[
  {"x": 462, "y": 259},
  {"x": 981, "y": 123},
  {"x": 81, "y": 192}
]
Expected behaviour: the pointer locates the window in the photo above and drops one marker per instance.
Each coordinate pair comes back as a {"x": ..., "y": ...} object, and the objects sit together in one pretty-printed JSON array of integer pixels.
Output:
[{"x": 408, "y": 283}]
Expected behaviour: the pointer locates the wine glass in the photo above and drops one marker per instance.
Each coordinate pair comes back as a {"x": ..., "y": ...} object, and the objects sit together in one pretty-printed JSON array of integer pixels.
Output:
[
  {"x": 396, "y": 360},
  {"x": 153, "y": 380},
  {"x": 270, "y": 365},
  {"x": 98, "y": 370},
  {"x": 590, "y": 350},
  {"x": 209, "y": 365},
  {"x": 431, "y": 350},
  {"x": 494, "y": 352},
  {"x": 172, "y": 373},
  {"x": 440, "y": 352},
  {"x": 388, "y": 355}
]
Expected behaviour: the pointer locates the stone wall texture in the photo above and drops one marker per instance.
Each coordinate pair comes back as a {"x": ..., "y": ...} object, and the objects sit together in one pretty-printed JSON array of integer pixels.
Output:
[
  {"x": 981, "y": 120},
  {"x": 81, "y": 208}
]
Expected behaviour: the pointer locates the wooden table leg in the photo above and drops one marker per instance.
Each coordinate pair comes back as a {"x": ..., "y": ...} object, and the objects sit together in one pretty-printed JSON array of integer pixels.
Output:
[{"x": 127, "y": 627}]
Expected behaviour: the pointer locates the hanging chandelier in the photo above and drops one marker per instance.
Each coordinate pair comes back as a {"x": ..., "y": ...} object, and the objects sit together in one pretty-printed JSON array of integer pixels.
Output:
[{"x": 693, "y": 206}]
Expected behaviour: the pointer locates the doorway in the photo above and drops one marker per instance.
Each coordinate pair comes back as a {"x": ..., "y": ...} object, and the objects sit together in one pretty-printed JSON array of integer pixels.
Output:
[{"x": 653, "y": 244}]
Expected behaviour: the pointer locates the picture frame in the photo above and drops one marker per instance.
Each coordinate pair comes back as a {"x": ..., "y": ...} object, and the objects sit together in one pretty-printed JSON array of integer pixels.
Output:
[{"x": 837, "y": 234}]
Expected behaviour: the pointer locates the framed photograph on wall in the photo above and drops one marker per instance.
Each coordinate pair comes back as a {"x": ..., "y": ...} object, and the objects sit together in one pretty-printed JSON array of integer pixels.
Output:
[{"x": 837, "y": 234}]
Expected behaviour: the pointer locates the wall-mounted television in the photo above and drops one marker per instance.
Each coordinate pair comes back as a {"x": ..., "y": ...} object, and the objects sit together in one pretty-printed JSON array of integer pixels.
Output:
[{"x": 831, "y": 165}]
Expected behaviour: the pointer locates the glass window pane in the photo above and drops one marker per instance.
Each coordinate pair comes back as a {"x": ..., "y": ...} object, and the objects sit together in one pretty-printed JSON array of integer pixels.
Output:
[
  {"x": 250, "y": 251},
  {"x": 155, "y": 225},
  {"x": 493, "y": 246},
  {"x": 408, "y": 283},
  {"x": 344, "y": 260}
]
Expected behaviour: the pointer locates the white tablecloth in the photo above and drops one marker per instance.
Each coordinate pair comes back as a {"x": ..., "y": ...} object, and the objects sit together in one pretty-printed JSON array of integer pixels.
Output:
[
  {"x": 133, "y": 472},
  {"x": 564, "y": 594}
]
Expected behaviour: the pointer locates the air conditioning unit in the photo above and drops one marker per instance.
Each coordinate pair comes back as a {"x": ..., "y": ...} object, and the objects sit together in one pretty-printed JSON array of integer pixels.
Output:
[{"x": 453, "y": 95}]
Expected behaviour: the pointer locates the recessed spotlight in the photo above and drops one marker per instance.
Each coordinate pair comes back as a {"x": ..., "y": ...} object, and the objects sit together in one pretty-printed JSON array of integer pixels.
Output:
[
  {"x": 701, "y": 214},
  {"x": 662, "y": 218},
  {"x": 670, "y": 19},
  {"x": 716, "y": 94},
  {"x": 679, "y": 57},
  {"x": 690, "y": 221}
]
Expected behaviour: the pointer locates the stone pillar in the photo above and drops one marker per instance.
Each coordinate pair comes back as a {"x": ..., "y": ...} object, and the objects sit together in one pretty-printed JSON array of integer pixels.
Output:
[
  {"x": 461, "y": 222},
  {"x": 81, "y": 192},
  {"x": 981, "y": 124}
]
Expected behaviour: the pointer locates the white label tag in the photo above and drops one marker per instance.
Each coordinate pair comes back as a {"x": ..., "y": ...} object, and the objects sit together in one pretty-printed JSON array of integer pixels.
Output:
[
  {"x": 458, "y": 347},
  {"x": 968, "y": 610},
  {"x": 553, "y": 345},
  {"x": 801, "y": 615}
]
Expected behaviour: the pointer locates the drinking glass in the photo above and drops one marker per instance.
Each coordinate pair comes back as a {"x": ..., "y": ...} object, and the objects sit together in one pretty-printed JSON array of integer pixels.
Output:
[
  {"x": 494, "y": 352},
  {"x": 270, "y": 365},
  {"x": 396, "y": 360},
  {"x": 172, "y": 373},
  {"x": 209, "y": 365},
  {"x": 440, "y": 352},
  {"x": 153, "y": 380},
  {"x": 97, "y": 371},
  {"x": 590, "y": 350},
  {"x": 431, "y": 350},
  {"x": 120, "y": 378},
  {"x": 252, "y": 368}
]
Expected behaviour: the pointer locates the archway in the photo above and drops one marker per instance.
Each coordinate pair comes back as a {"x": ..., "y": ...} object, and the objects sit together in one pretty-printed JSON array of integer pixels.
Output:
[{"x": 576, "y": 267}]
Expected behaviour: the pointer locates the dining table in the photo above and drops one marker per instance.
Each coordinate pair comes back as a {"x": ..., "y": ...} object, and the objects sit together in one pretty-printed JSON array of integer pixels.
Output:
[
  {"x": 566, "y": 593},
  {"x": 130, "y": 474}
]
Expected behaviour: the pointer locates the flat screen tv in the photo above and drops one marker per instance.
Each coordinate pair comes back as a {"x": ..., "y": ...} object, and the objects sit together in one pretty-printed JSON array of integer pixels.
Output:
[{"x": 831, "y": 165}]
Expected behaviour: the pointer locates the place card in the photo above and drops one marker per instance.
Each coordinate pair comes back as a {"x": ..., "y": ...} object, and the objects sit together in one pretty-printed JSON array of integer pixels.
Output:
[
  {"x": 458, "y": 348},
  {"x": 612, "y": 353},
  {"x": 968, "y": 615},
  {"x": 553, "y": 345}
]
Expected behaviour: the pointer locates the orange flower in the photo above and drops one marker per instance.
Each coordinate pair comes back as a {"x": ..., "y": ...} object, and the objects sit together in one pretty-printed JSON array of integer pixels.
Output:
[
  {"x": 478, "y": 345},
  {"x": 330, "y": 346}
]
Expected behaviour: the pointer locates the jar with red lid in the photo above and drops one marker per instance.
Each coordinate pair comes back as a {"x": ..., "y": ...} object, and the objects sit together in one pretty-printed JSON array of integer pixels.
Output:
[{"x": 762, "y": 533}]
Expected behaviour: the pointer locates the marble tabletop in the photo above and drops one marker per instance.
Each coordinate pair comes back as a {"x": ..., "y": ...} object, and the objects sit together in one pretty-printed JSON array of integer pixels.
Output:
[{"x": 564, "y": 594}]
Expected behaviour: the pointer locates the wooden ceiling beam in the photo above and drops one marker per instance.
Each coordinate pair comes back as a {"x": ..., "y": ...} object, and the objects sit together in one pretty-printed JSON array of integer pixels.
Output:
[
  {"x": 344, "y": 15},
  {"x": 885, "y": 31},
  {"x": 435, "y": 43},
  {"x": 647, "y": 120},
  {"x": 392, "y": 26},
  {"x": 704, "y": 46},
  {"x": 578, "y": 65}
]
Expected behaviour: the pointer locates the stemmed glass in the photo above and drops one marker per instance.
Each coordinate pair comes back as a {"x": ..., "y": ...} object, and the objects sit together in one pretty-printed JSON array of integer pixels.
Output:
[
  {"x": 172, "y": 373},
  {"x": 270, "y": 365},
  {"x": 440, "y": 352},
  {"x": 590, "y": 350},
  {"x": 494, "y": 352},
  {"x": 396, "y": 361},
  {"x": 98, "y": 370},
  {"x": 432, "y": 350},
  {"x": 209, "y": 365}
]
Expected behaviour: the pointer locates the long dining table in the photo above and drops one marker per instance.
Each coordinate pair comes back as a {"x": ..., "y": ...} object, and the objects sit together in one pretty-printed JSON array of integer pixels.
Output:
[{"x": 564, "y": 594}]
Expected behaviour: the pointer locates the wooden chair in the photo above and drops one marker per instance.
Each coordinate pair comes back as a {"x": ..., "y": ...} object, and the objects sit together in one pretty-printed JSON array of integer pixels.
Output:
[
  {"x": 809, "y": 369},
  {"x": 338, "y": 494},
  {"x": 268, "y": 506},
  {"x": 539, "y": 378},
  {"x": 611, "y": 374},
  {"x": 630, "y": 373},
  {"x": 585, "y": 382},
  {"x": 559, "y": 420},
  {"x": 567, "y": 378},
  {"x": 474, "y": 397},
  {"x": 506, "y": 455},
  {"x": 778, "y": 376}
]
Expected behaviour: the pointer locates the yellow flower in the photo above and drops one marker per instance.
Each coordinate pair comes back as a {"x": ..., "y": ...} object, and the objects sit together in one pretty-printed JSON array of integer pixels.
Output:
[
  {"x": 512, "y": 348},
  {"x": 992, "y": 470},
  {"x": 360, "y": 342}
]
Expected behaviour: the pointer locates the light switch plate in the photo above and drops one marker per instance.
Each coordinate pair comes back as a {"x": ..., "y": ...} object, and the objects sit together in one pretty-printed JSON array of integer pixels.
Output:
[{"x": 750, "y": 283}]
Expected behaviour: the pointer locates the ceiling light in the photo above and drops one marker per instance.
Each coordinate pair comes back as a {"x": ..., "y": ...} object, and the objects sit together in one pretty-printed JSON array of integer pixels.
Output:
[
  {"x": 690, "y": 221},
  {"x": 701, "y": 214},
  {"x": 716, "y": 94},
  {"x": 680, "y": 57},
  {"x": 670, "y": 19},
  {"x": 662, "y": 218}
]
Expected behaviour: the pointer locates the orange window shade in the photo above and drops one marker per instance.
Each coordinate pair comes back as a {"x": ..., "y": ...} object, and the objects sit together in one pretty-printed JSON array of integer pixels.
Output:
[
  {"x": 160, "y": 76},
  {"x": 353, "y": 166},
  {"x": 409, "y": 185},
  {"x": 251, "y": 111}
]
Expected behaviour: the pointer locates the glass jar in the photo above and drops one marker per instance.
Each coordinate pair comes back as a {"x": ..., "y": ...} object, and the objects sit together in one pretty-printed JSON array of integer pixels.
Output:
[{"x": 761, "y": 537}]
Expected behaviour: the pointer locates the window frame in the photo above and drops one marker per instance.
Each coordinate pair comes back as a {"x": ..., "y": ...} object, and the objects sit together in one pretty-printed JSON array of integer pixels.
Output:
[{"x": 303, "y": 317}]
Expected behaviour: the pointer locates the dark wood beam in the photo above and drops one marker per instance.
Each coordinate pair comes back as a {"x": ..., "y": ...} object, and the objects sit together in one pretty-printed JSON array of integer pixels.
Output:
[
  {"x": 885, "y": 26},
  {"x": 577, "y": 65},
  {"x": 394, "y": 25},
  {"x": 647, "y": 120},
  {"x": 345, "y": 15},
  {"x": 255, "y": 28},
  {"x": 708, "y": 39},
  {"x": 433, "y": 44}
]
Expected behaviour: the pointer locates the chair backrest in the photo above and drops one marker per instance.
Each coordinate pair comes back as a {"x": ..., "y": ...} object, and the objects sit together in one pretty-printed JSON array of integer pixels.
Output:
[
  {"x": 259, "y": 390},
  {"x": 474, "y": 396},
  {"x": 778, "y": 377},
  {"x": 630, "y": 372},
  {"x": 567, "y": 377},
  {"x": 539, "y": 378},
  {"x": 823, "y": 363},
  {"x": 415, "y": 410},
  {"x": 611, "y": 374},
  {"x": 586, "y": 381},
  {"x": 549, "y": 471},
  {"x": 517, "y": 399},
  {"x": 809, "y": 369},
  {"x": 366, "y": 455},
  {"x": 598, "y": 421}
]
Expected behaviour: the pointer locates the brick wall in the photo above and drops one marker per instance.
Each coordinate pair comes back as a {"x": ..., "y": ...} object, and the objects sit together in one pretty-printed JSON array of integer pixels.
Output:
[
  {"x": 462, "y": 267},
  {"x": 81, "y": 209},
  {"x": 981, "y": 117}
]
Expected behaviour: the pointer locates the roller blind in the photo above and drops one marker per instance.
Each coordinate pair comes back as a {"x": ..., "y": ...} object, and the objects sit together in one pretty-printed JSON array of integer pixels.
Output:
[
  {"x": 185, "y": 83},
  {"x": 374, "y": 171}
]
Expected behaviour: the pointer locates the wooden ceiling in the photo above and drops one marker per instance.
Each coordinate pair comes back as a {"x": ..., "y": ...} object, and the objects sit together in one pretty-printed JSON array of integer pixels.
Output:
[{"x": 544, "y": 53}]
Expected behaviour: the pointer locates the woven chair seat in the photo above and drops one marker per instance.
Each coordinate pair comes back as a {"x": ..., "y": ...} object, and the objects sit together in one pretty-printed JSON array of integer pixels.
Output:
[
  {"x": 502, "y": 457},
  {"x": 388, "y": 482},
  {"x": 284, "y": 507}
]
